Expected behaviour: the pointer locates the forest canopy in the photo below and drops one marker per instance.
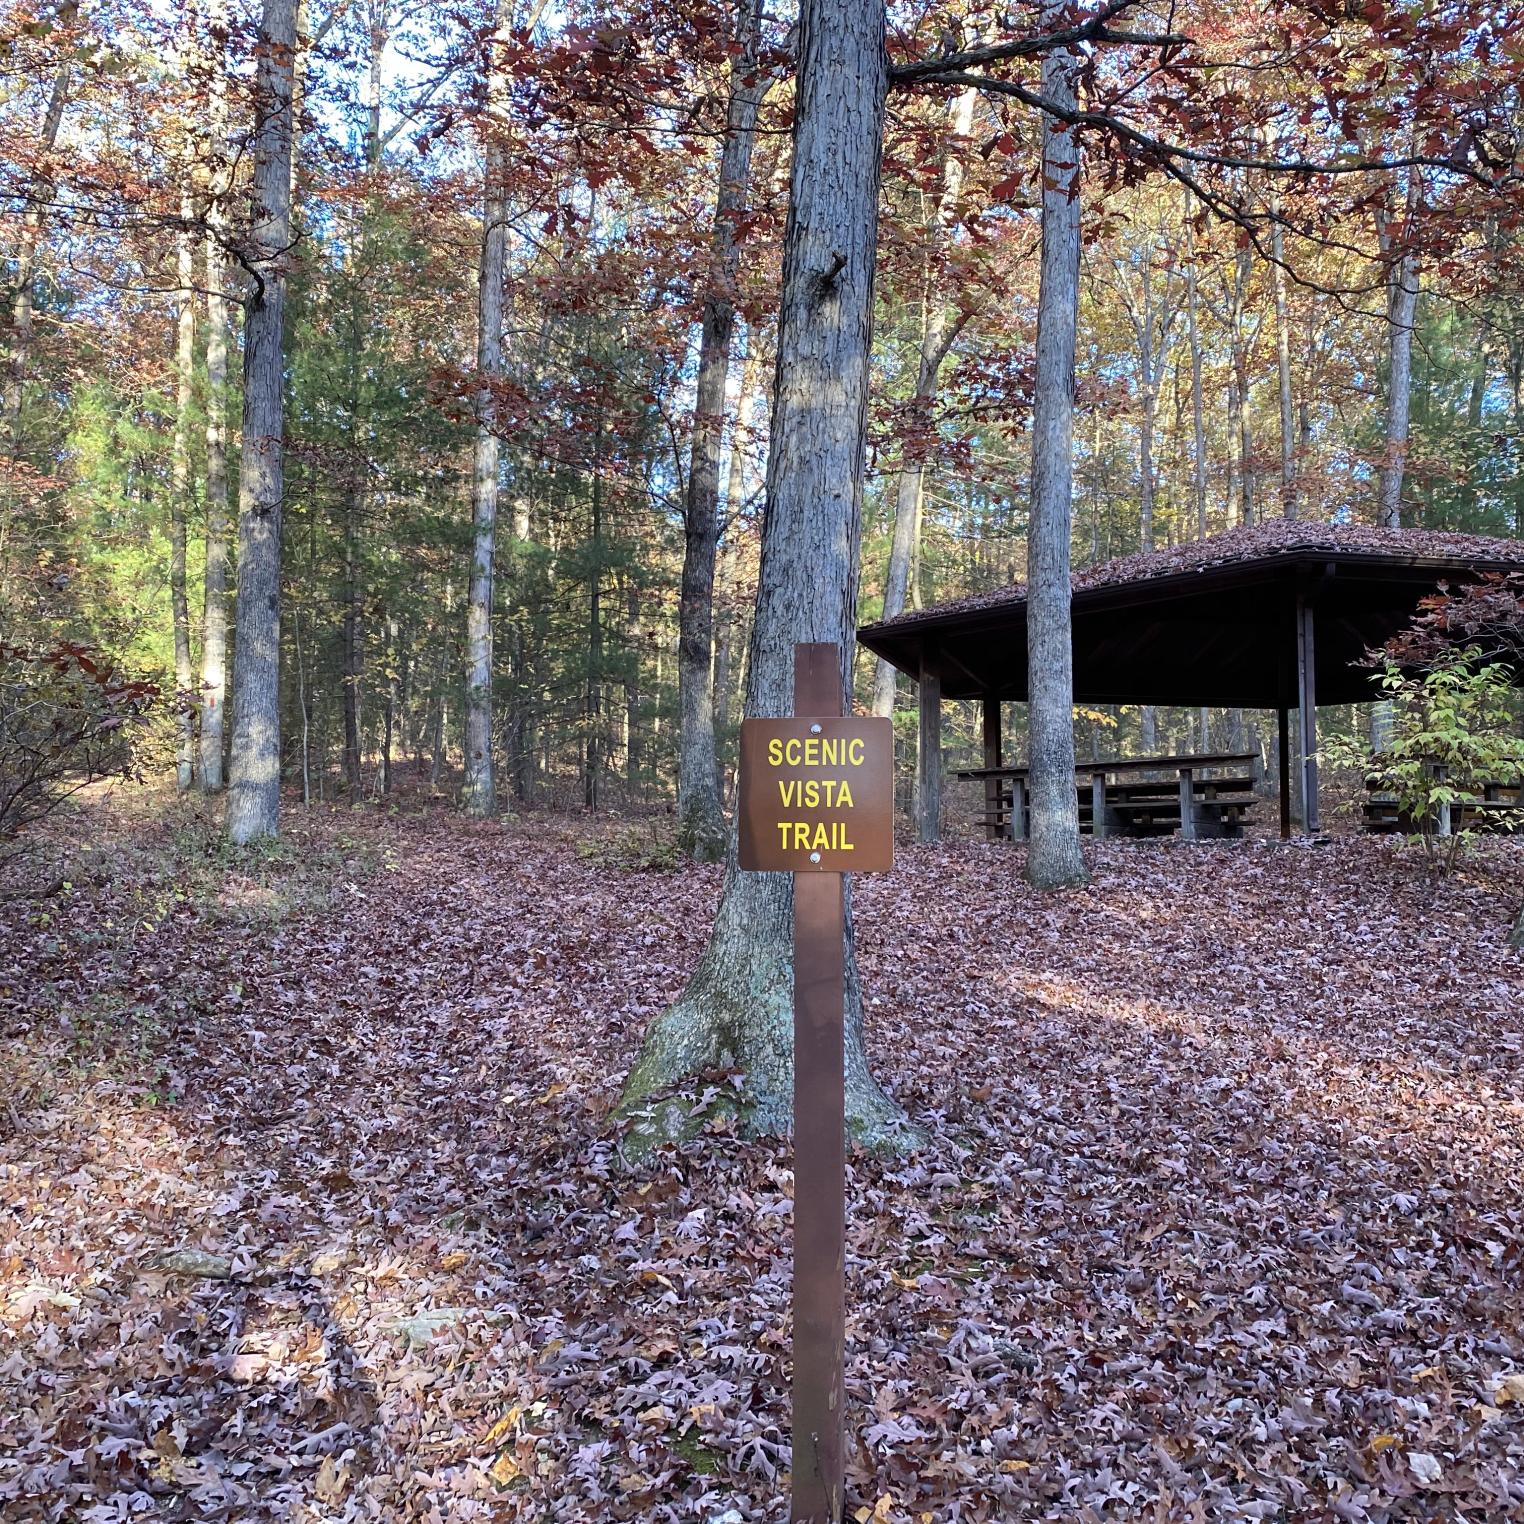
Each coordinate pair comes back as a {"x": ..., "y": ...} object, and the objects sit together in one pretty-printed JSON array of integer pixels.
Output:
[{"x": 531, "y": 258}]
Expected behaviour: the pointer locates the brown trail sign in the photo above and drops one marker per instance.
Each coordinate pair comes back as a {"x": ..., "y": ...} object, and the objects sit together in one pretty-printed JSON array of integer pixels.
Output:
[{"x": 817, "y": 800}]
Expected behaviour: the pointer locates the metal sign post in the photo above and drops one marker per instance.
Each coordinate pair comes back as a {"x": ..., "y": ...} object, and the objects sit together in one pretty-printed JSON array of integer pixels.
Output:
[{"x": 817, "y": 798}]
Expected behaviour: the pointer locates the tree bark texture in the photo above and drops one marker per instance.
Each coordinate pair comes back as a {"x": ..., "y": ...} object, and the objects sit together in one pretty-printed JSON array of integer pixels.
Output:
[
  {"x": 479, "y": 796},
  {"x": 214, "y": 614},
  {"x": 1198, "y": 420},
  {"x": 214, "y": 624},
  {"x": 254, "y": 788},
  {"x": 1054, "y": 858},
  {"x": 738, "y": 1007},
  {"x": 728, "y": 613},
  {"x": 701, "y": 821},
  {"x": 182, "y": 498},
  {"x": 1402, "y": 307},
  {"x": 1283, "y": 371}
]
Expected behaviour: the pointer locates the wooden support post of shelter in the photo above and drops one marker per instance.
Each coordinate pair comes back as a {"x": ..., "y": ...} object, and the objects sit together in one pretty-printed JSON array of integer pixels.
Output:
[
  {"x": 1016, "y": 826},
  {"x": 1307, "y": 713},
  {"x": 1098, "y": 804},
  {"x": 1283, "y": 718},
  {"x": 1187, "y": 805},
  {"x": 992, "y": 738},
  {"x": 928, "y": 792}
]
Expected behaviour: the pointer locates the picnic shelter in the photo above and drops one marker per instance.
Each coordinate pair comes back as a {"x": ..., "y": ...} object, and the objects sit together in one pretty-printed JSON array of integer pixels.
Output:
[{"x": 1275, "y": 616}]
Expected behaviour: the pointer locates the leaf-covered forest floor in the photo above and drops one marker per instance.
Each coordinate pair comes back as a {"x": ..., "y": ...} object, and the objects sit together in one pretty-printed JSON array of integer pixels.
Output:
[{"x": 1222, "y": 1220}]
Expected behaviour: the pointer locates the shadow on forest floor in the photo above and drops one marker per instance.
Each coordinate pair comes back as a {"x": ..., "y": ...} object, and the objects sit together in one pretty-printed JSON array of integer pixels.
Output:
[{"x": 1223, "y": 1214}]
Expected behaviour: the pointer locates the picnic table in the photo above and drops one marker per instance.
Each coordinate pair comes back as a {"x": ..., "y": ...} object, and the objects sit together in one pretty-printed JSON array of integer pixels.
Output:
[
  {"x": 1201, "y": 795},
  {"x": 1497, "y": 810}
]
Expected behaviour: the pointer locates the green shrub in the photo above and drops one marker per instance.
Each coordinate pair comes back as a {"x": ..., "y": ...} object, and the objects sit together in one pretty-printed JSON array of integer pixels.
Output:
[
  {"x": 1453, "y": 733},
  {"x": 636, "y": 849}
]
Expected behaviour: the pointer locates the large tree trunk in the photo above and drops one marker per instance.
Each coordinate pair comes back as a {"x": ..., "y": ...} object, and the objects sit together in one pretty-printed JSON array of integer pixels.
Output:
[
  {"x": 182, "y": 496},
  {"x": 1053, "y": 854},
  {"x": 214, "y": 621},
  {"x": 737, "y": 1009},
  {"x": 18, "y": 342},
  {"x": 254, "y": 791},
  {"x": 479, "y": 794},
  {"x": 937, "y": 334},
  {"x": 701, "y": 821}
]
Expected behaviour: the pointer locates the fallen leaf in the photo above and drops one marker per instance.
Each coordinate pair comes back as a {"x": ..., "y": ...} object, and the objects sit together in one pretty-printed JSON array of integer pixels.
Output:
[
  {"x": 1424, "y": 1467},
  {"x": 504, "y": 1470}
]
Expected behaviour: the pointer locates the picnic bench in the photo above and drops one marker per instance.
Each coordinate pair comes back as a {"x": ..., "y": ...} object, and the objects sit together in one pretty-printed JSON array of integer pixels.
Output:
[
  {"x": 1202, "y": 796},
  {"x": 1496, "y": 810}
]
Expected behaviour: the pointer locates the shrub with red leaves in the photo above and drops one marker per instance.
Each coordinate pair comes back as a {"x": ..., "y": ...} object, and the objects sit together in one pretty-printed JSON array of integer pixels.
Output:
[{"x": 68, "y": 717}]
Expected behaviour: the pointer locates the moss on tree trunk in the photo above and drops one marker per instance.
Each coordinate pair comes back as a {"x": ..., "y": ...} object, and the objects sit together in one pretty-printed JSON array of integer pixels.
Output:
[{"x": 738, "y": 1013}]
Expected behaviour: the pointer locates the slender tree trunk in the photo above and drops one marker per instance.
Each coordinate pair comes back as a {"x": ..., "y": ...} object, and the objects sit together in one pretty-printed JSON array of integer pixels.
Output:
[
  {"x": 1198, "y": 420},
  {"x": 479, "y": 795},
  {"x": 1238, "y": 387},
  {"x": 18, "y": 342},
  {"x": 701, "y": 822},
  {"x": 182, "y": 496},
  {"x": 938, "y": 330},
  {"x": 352, "y": 649},
  {"x": 633, "y": 757},
  {"x": 1402, "y": 309},
  {"x": 520, "y": 737},
  {"x": 254, "y": 792},
  {"x": 1053, "y": 854},
  {"x": 304, "y": 708},
  {"x": 730, "y": 559},
  {"x": 389, "y": 705},
  {"x": 1151, "y": 320},
  {"x": 214, "y": 622},
  {"x": 737, "y": 1008},
  {"x": 592, "y": 700},
  {"x": 358, "y": 487},
  {"x": 1283, "y": 370}
]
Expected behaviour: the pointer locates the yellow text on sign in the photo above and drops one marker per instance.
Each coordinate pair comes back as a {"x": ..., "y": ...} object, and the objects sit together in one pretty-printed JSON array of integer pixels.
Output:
[
  {"x": 816, "y": 751},
  {"x": 815, "y": 793}
]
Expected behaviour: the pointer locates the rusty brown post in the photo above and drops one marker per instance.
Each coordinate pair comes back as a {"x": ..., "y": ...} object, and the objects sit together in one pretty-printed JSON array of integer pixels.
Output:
[{"x": 819, "y": 1150}]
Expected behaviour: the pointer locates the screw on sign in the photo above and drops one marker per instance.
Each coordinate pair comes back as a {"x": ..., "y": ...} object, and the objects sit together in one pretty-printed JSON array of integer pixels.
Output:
[{"x": 817, "y": 801}]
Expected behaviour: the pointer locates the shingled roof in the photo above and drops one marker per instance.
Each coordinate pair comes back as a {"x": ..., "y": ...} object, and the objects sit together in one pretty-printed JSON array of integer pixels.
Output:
[
  {"x": 1255, "y": 542},
  {"x": 1209, "y": 622}
]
